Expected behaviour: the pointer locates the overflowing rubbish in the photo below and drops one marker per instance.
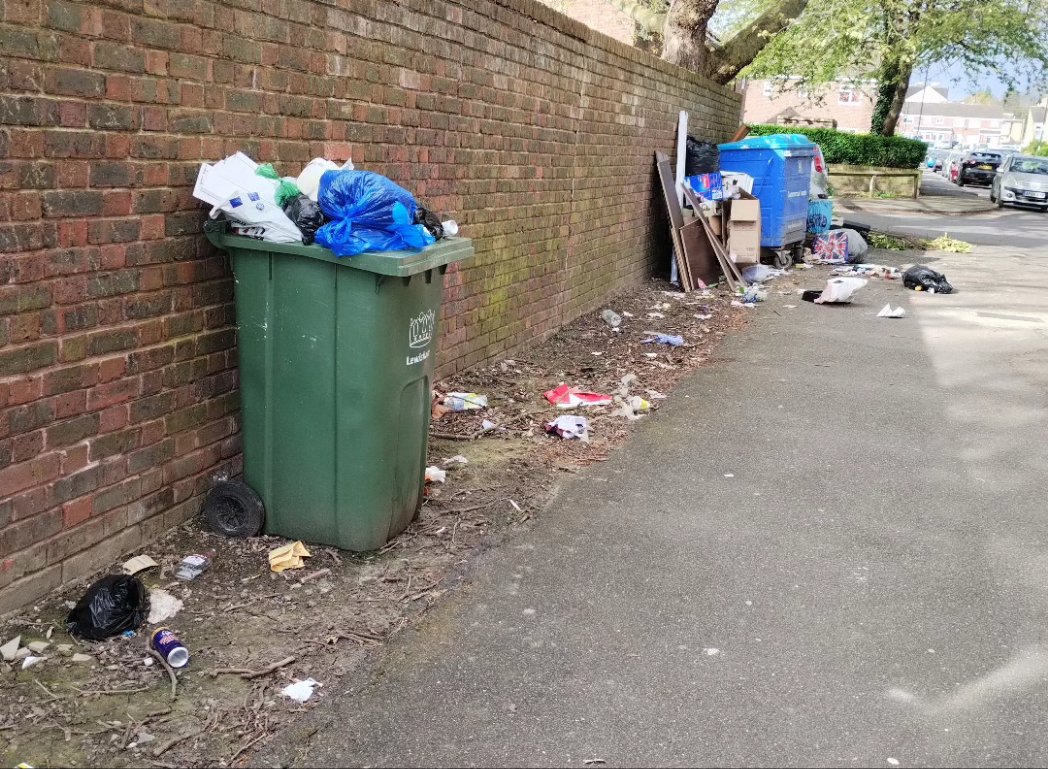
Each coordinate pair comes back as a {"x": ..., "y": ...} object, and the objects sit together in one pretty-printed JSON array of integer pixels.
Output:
[
  {"x": 837, "y": 291},
  {"x": 567, "y": 397},
  {"x": 451, "y": 228},
  {"x": 306, "y": 215},
  {"x": 867, "y": 271},
  {"x": 857, "y": 246},
  {"x": 308, "y": 181},
  {"x": 435, "y": 475},
  {"x": 831, "y": 248},
  {"x": 368, "y": 212},
  {"x": 754, "y": 293},
  {"x": 569, "y": 427},
  {"x": 923, "y": 278},
  {"x": 430, "y": 221},
  {"x": 465, "y": 401},
  {"x": 701, "y": 157},
  {"x": 192, "y": 566},
  {"x": 162, "y": 606},
  {"x": 288, "y": 557},
  {"x": 888, "y": 312},
  {"x": 167, "y": 645},
  {"x": 138, "y": 564},
  {"x": 113, "y": 604},
  {"x": 234, "y": 189},
  {"x": 612, "y": 318},
  {"x": 669, "y": 339},
  {"x": 300, "y": 691}
]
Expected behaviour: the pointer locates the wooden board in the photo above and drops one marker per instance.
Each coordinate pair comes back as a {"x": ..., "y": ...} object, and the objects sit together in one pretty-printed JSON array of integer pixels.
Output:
[
  {"x": 731, "y": 272},
  {"x": 669, "y": 194}
]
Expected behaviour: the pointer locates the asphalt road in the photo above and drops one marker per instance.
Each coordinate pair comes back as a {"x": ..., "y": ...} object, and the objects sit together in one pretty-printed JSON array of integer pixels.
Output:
[
  {"x": 1024, "y": 228},
  {"x": 830, "y": 548}
]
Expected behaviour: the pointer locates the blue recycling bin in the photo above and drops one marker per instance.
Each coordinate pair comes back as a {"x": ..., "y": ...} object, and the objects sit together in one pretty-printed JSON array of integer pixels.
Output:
[{"x": 780, "y": 165}]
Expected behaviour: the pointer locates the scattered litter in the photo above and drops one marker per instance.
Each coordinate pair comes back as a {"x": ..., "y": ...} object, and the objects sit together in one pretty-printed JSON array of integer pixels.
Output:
[
  {"x": 300, "y": 691},
  {"x": 655, "y": 395},
  {"x": 867, "y": 271},
  {"x": 567, "y": 397},
  {"x": 754, "y": 293},
  {"x": 128, "y": 634},
  {"x": 711, "y": 652},
  {"x": 831, "y": 248},
  {"x": 923, "y": 278},
  {"x": 148, "y": 662},
  {"x": 656, "y": 315},
  {"x": 110, "y": 606},
  {"x": 594, "y": 761},
  {"x": 627, "y": 314},
  {"x": 82, "y": 658},
  {"x": 612, "y": 318},
  {"x": 569, "y": 426},
  {"x": 38, "y": 647},
  {"x": 651, "y": 355},
  {"x": 288, "y": 557},
  {"x": 162, "y": 606},
  {"x": 737, "y": 303},
  {"x": 657, "y": 338},
  {"x": 702, "y": 317},
  {"x": 790, "y": 306},
  {"x": 458, "y": 459},
  {"x": 596, "y": 354},
  {"x": 192, "y": 566},
  {"x": 729, "y": 475},
  {"x": 837, "y": 291},
  {"x": 435, "y": 475},
  {"x": 893, "y": 761},
  {"x": 138, "y": 563},
  {"x": 10, "y": 649},
  {"x": 30, "y": 661},
  {"x": 142, "y": 738},
  {"x": 759, "y": 273},
  {"x": 167, "y": 645},
  {"x": 487, "y": 424},
  {"x": 888, "y": 312},
  {"x": 516, "y": 506},
  {"x": 465, "y": 401}
]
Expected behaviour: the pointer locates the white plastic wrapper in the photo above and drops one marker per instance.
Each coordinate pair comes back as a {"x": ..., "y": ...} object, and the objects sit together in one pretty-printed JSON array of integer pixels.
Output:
[{"x": 840, "y": 290}]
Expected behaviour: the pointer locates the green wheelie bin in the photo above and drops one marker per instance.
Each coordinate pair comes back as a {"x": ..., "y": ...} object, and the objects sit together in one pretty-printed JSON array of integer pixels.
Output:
[{"x": 336, "y": 364}]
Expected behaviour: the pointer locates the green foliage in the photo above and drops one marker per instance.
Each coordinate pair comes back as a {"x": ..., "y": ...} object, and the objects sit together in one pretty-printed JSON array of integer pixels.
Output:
[
  {"x": 1038, "y": 148},
  {"x": 856, "y": 149}
]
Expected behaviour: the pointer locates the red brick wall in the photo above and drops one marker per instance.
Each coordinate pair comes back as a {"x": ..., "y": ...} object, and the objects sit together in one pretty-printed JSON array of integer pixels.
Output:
[
  {"x": 118, "y": 399},
  {"x": 761, "y": 107}
]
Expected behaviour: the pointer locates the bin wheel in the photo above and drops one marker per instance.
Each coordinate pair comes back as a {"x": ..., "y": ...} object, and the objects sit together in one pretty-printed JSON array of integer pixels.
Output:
[
  {"x": 783, "y": 257},
  {"x": 234, "y": 509}
]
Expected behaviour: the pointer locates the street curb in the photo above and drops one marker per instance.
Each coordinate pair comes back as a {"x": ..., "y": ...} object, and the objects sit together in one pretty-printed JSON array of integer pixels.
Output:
[{"x": 914, "y": 208}]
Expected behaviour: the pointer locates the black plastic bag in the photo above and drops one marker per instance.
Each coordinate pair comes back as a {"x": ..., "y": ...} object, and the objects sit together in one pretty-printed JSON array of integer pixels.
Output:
[
  {"x": 921, "y": 277},
  {"x": 306, "y": 215},
  {"x": 430, "y": 221},
  {"x": 700, "y": 157},
  {"x": 109, "y": 607}
]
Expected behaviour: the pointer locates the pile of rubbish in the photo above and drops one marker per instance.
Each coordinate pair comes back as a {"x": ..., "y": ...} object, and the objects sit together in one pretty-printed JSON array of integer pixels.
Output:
[{"x": 338, "y": 207}]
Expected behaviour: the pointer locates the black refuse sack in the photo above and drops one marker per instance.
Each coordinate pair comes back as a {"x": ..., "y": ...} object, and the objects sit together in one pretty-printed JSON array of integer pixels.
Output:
[
  {"x": 306, "y": 215},
  {"x": 109, "y": 607},
  {"x": 927, "y": 279},
  {"x": 430, "y": 221},
  {"x": 700, "y": 157}
]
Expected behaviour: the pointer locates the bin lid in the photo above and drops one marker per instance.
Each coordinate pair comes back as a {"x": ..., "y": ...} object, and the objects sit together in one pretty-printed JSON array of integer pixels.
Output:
[
  {"x": 399, "y": 264},
  {"x": 772, "y": 142}
]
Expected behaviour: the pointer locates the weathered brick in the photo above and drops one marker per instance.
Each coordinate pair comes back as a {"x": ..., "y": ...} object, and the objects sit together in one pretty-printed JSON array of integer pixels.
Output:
[
  {"x": 31, "y": 357},
  {"x": 72, "y": 430}
]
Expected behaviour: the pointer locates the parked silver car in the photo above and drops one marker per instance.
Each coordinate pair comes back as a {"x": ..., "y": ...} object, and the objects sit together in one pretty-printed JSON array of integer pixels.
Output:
[{"x": 1021, "y": 180}]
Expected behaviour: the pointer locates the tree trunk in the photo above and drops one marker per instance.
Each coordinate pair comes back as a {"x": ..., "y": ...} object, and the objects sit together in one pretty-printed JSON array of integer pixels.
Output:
[
  {"x": 684, "y": 39},
  {"x": 725, "y": 64},
  {"x": 891, "y": 94}
]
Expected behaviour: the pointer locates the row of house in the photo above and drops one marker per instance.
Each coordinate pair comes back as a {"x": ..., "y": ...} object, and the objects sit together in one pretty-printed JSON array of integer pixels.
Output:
[{"x": 928, "y": 113}]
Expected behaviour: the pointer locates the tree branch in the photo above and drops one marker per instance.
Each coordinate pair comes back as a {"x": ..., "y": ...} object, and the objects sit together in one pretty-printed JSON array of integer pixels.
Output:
[{"x": 736, "y": 53}]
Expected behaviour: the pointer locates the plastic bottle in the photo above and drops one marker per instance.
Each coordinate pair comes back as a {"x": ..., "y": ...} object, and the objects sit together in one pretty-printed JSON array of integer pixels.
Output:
[{"x": 612, "y": 318}]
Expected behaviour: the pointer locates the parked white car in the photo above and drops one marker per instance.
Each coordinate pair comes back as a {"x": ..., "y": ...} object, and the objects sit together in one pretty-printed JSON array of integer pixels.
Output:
[{"x": 1021, "y": 180}]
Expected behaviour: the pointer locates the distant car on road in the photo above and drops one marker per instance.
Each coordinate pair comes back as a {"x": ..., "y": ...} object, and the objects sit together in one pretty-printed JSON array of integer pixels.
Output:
[
  {"x": 1021, "y": 180},
  {"x": 978, "y": 167}
]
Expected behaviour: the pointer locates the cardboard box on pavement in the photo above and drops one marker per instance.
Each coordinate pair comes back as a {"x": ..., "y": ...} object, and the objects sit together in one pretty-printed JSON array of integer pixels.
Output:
[{"x": 743, "y": 216}]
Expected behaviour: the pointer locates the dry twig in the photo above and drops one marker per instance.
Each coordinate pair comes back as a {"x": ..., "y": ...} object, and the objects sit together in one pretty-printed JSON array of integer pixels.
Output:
[
  {"x": 248, "y": 674},
  {"x": 170, "y": 672}
]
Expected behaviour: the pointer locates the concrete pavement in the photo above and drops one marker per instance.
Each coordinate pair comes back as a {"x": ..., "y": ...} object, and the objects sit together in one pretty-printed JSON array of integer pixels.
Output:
[{"x": 830, "y": 548}]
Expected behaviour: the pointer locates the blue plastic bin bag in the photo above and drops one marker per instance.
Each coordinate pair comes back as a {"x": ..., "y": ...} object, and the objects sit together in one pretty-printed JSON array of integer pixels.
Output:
[{"x": 368, "y": 212}]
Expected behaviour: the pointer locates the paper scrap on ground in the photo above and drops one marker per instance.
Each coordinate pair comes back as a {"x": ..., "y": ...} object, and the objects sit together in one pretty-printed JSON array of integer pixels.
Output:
[
  {"x": 458, "y": 459},
  {"x": 28, "y": 662},
  {"x": 138, "y": 563},
  {"x": 435, "y": 475},
  {"x": 569, "y": 426},
  {"x": 466, "y": 401},
  {"x": 10, "y": 649},
  {"x": 162, "y": 606},
  {"x": 288, "y": 557},
  {"x": 888, "y": 312},
  {"x": 300, "y": 691},
  {"x": 567, "y": 397}
]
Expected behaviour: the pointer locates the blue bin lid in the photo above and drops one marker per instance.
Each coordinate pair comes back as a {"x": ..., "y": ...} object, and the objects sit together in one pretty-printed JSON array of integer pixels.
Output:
[{"x": 772, "y": 142}]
